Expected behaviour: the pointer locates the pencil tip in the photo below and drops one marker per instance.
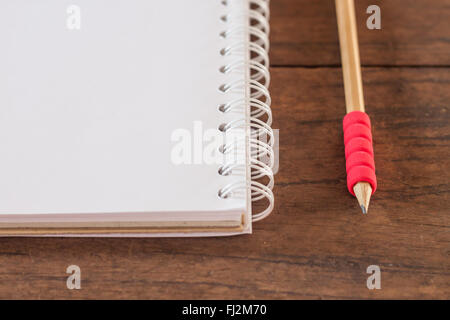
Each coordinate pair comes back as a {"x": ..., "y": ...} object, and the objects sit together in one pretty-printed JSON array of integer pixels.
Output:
[
  {"x": 363, "y": 191},
  {"x": 364, "y": 211}
]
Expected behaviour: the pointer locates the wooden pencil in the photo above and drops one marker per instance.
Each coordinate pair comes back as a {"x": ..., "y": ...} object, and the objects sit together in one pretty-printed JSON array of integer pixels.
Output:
[{"x": 351, "y": 67}]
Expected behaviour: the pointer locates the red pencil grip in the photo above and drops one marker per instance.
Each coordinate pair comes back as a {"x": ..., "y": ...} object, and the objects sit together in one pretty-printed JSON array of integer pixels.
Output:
[{"x": 359, "y": 150}]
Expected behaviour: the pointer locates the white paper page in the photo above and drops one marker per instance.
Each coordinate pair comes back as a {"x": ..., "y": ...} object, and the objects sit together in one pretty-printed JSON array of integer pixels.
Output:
[{"x": 87, "y": 115}]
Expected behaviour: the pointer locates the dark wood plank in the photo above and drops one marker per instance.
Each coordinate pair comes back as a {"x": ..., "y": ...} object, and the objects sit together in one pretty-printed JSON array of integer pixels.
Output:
[
  {"x": 316, "y": 244},
  {"x": 417, "y": 32}
]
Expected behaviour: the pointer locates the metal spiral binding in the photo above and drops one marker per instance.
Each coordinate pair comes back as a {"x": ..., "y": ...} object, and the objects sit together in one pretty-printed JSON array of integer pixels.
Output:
[{"x": 260, "y": 140}]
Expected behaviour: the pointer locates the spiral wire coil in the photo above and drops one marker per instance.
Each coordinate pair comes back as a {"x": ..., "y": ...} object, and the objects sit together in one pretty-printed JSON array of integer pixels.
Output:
[{"x": 260, "y": 138}]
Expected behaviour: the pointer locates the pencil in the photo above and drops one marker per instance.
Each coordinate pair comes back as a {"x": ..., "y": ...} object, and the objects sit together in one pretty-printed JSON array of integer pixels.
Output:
[{"x": 361, "y": 180}]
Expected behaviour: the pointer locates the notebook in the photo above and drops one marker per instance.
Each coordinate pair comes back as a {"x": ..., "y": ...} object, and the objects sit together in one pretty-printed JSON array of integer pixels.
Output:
[{"x": 134, "y": 117}]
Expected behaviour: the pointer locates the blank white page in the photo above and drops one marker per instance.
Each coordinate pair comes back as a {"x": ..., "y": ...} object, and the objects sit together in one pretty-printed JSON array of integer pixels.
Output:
[{"x": 87, "y": 115}]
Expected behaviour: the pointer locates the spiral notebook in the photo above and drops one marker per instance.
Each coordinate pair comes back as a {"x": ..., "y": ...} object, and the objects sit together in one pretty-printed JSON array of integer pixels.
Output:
[{"x": 134, "y": 117}]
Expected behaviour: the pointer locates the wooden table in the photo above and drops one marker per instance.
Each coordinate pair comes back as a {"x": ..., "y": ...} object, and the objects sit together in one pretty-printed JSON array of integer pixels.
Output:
[{"x": 316, "y": 244}]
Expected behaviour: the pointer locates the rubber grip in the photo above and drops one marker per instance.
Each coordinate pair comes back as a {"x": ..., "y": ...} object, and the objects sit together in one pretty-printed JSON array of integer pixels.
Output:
[{"x": 359, "y": 157}]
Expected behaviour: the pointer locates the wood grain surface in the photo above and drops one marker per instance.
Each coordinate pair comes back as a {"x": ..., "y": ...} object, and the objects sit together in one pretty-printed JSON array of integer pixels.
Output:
[
  {"x": 316, "y": 244},
  {"x": 413, "y": 33}
]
